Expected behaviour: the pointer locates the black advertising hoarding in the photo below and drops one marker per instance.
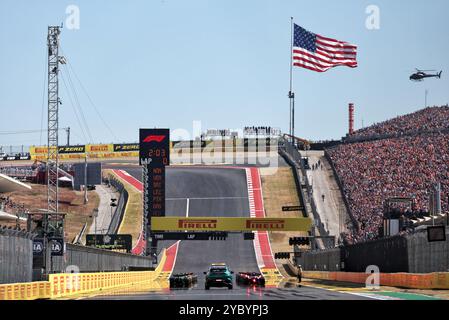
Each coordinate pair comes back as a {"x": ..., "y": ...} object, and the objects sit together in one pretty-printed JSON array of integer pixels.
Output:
[
  {"x": 436, "y": 233},
  {"x": 187, "y": 235},
  {"x": 93, "y": 174},
  {"x": 38, "y": 246},
  {"x": 126, "y": 147},
  {"x": 56, "y": 245},
  {"x": 121, "y": 242},
  {"x": 292, "y": 208},
  {"x": 154, "y": 147}
]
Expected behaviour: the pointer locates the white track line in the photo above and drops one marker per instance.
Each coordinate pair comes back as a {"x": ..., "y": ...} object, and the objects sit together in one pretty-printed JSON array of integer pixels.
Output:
[{"x": 187, "y": 207}]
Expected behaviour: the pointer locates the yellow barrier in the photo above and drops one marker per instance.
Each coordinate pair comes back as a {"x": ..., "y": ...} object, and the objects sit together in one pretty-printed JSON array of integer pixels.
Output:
[
  {"x": 437, "y": 280},
  {"x": 24, "y": 291},
  {"x": 63, "y": 285},
  {"x": 67, "y": 284}
]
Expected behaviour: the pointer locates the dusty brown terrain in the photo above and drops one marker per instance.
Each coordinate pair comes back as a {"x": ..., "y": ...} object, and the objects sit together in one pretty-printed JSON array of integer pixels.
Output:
[{"x": 70, "y": 202}]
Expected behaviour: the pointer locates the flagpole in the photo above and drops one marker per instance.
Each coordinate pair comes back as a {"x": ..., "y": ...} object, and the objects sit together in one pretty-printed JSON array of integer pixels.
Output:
[{"x": 291, "y": 95}]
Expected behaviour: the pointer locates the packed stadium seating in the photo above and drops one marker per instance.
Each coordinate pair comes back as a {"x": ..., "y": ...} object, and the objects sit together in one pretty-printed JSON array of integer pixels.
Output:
[
  {"x": 430, "y": 118},
  {"x": 403, "y": 166}
]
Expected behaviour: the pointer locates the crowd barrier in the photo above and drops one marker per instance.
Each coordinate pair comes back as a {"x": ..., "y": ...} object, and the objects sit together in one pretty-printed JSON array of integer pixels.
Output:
[
  {"x": 25, "y": 291},
  {"x": 69, "y": 284},
  {"x": 436, "y": 280}
]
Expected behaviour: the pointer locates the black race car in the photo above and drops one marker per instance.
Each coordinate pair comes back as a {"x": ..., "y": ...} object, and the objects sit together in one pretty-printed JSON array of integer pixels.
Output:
[
  {"x": 251, "y": 278},
  {"x": 183, "y": 280}
]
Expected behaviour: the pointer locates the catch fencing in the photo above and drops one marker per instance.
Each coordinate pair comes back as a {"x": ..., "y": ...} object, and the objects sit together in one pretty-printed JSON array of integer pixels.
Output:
[
  {"x": 16, "y": 255},
  {"x": 90, "y": 259}
]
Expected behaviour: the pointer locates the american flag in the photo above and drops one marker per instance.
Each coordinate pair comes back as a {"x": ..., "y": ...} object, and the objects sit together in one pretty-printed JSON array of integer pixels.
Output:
[{"x": 317, "y": 53}]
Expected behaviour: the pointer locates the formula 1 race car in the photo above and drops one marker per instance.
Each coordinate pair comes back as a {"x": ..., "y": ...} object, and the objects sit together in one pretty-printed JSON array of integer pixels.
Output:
[
  {"x": 251, "y": 279},
  {"x": 183, "y": 280}
]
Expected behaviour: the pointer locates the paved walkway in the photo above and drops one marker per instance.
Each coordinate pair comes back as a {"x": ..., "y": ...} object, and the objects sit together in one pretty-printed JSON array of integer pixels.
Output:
[
  {"x": 104, "y": 209},
  {"x": 332, "y": 210}
]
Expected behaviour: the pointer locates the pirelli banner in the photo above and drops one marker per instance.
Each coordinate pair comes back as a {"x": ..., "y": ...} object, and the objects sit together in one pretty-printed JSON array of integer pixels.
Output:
[
  {"x": 99, "y": 151},
  {"x": 61, "y": 150},
  {"x": 65, "y": 152},
  {"x": 229, "y": 224}
]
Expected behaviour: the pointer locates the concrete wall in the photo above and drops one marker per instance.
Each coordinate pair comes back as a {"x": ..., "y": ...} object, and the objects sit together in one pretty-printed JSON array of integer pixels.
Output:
[
  {"x": 411, "y": 253},
  {"x": 88, "y": 259},
  {"x": 324, "y": 260},
  {"x": 16, "y": 256},
  {"x": 427, "y": 257}
]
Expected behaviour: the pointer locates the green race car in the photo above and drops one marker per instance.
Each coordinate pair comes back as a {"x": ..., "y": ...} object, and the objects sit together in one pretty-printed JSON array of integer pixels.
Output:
[{"x": 219, "y": 275}]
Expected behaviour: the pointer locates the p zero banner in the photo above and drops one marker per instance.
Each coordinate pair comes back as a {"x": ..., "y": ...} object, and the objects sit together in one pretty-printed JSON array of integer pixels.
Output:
[
  {"x": 61, "y": 150},
  {"x": 126, "y": 147},
  {"x": 229, "y": 224},
  {"x": 72, "y": 149}
]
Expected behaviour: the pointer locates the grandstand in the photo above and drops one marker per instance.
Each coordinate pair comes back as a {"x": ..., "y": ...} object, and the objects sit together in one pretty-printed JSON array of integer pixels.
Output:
[
  {"x": 412, "y": 156},
  {"x": 428, "y": 119}
]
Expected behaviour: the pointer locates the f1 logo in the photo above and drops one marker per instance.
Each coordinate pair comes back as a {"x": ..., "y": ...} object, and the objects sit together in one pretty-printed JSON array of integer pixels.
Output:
[{"x": 157, "y": 138}]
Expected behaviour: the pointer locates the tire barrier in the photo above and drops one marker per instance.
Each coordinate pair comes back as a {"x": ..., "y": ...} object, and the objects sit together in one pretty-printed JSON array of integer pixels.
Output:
[
  {"x": 183, "y": 280},
  {"x": 436, "y": 280}
]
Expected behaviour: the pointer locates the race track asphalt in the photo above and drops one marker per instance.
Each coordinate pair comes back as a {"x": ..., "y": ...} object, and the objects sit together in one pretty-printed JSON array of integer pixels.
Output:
[{"x": 216, "y": 192}]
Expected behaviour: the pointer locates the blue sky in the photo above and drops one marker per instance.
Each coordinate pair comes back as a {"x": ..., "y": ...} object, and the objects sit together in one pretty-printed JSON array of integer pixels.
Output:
[{"x": 166, "y": 63}]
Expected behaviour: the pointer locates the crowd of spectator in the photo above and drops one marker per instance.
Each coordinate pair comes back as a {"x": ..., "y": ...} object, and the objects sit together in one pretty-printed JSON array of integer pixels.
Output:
[
  {"x": 371, "y": 172},
  {"x": 9, "y": 206},
  {"x": 430, "y": 118}
]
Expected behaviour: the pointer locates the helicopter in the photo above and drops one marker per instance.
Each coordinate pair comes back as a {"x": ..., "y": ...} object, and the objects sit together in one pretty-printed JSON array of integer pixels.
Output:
[{"x": 421, "y": 74}]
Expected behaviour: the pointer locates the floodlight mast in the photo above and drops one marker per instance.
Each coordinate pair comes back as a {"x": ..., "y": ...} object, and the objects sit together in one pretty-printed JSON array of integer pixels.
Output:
[{"x": 53, "y": 106}]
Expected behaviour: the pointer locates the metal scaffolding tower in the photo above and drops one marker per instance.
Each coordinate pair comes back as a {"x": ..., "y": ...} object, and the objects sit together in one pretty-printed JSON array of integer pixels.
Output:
[{"x": 53, "y": 105}]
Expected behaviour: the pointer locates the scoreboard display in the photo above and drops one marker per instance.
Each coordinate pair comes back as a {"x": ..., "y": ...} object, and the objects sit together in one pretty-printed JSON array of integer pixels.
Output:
[{"x": 154, "y": 147}]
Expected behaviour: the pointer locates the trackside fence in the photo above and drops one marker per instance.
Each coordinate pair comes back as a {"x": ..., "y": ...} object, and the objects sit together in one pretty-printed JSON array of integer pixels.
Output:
[
  {"x": 410, "y": 253},
  {"x": 16, "y": 255}
]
